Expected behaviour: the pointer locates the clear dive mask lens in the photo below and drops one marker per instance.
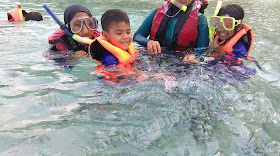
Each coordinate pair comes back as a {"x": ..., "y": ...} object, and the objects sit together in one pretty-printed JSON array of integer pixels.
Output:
[
  {"x": 76, "y": 25},
  {"x": 228, "y": 23}
]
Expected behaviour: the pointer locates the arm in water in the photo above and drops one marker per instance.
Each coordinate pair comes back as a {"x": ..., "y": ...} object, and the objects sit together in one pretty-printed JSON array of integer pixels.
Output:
[{"x": 144, "y": 31}]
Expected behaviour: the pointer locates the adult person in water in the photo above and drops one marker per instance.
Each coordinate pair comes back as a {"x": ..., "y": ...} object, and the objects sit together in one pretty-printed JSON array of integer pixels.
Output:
[
  {"x": 79, "y": 20},
  {"x": 14, "y": 15},
  {"x": 170, "y": 26}
]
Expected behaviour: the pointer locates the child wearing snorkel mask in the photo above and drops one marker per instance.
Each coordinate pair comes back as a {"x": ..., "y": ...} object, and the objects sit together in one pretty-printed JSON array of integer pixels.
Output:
[
  {"x": 233, "y": 39},
  {"x": 78, "y": 19}
]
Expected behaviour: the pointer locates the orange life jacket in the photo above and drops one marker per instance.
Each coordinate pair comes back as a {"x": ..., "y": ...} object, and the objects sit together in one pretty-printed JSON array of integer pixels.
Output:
[
  {"x": 113, "y": 77},
  {"x": 228, "y": 47},
  {"x": 122, "y": 55},
  {"x": 15, "y": 15}
]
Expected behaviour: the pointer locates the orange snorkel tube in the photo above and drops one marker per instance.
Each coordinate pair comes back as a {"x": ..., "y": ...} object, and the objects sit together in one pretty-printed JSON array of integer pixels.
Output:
[
  {"x": 20, "y": 12},
  {"x": 211, "y": 30}
]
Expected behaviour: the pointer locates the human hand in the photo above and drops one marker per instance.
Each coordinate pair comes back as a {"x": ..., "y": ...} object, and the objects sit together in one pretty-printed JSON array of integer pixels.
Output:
[
  {"x": 153, "y": 47},
  {"x": 214, "y": 45},
  {"x": 190, "y": 58},
  {"x": 215, "y": 50},
  {"x": 79, "y": 54}
]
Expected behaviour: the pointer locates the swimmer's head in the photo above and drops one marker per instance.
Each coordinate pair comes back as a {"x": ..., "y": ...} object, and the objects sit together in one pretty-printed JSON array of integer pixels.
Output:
[{"x": 33, "y": 16}]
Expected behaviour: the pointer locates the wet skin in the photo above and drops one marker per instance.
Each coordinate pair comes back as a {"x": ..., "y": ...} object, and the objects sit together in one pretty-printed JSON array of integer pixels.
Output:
[{"x": 119, "y": 35}]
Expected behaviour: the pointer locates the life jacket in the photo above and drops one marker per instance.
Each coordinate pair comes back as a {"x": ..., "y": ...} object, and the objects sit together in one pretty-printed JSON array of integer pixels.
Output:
[
  {"x": 63, "y": 42},
  {"x": 15, "y": 15},
  {"x": 185, "y": 30},
  {"x": 113, "y": 77},
  {"x": 227, "y": 45},
  {"x": 99, "y": 45}
]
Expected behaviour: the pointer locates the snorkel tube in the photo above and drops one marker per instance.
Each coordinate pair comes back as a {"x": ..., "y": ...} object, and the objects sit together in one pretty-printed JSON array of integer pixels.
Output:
[
  {"x": 62, "y": 26},
  {"x": 20, "y": 12},
  {"x": 211, "y": 30},
  {"x": 179, "y": 5}
]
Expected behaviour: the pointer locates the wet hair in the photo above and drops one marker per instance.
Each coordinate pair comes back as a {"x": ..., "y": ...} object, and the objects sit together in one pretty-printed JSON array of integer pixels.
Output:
[
  {"x": 34, "y": 16},
  {"x": 72, "y": 10},
  {"x": 113, "y": 16},
  {"x": 233, "y": 10}
]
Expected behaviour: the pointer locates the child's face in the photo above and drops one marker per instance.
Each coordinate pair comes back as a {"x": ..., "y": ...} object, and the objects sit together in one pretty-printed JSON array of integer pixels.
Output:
[
  {"x": 224, "y": 34},
  {"x": 119, "y": 35},
  {"x": 85, "y": 32}
]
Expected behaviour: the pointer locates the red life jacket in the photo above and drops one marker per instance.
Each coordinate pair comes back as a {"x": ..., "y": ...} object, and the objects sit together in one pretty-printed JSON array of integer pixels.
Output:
[
  {"x": 55, "y": 39},
  {"x": 124, "y": 57},
  {"x": 15, "y": 15},
  {"x": 227, "y": 45},
  {"x": 185, "y": 30}
]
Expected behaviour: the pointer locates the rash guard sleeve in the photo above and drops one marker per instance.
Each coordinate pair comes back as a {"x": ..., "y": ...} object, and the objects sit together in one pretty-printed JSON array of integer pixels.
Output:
[
  {"x": 202, "y": 41},
  {"x": 144, "y": 30}
]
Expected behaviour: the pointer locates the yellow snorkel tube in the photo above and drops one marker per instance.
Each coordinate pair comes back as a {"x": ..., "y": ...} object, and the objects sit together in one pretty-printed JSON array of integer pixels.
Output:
[
  {"x": 20, "y": 12},
  {"x": 179, "y": 5},
  {"x": 211, "y": 30}
]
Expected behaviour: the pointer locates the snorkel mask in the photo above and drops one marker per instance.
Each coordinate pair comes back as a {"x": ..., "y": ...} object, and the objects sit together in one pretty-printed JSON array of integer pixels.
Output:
[
  {"x": 211, "y": 30},
  {"x": 228, "y": 23},
  {"x": 76, "y": 25}
]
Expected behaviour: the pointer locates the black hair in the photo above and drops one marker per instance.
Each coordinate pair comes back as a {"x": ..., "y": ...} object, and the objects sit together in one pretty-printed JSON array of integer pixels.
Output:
[
  {"x": 34, "y": 16},
  {"x": 113, "y": 16},
  {"x": 72, "y": 10},
  {"x": 233, "y": 10}
]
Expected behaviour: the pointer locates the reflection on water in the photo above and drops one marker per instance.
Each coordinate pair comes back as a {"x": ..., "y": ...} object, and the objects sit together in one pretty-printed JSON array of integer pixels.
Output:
[{"x": 48, "y": 108}]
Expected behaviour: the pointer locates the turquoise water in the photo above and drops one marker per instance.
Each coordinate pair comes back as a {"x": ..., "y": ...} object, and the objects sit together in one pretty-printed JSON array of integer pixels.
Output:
[{"x": 46, "y": 109}]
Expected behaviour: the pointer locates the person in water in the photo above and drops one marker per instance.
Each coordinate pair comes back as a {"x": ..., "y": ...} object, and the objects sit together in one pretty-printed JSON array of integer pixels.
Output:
[
  {"x": 114, "y": 47},
  {"x": 13, "y": 15},
  {"x": 232, "y": 40},
  {"x": 79, "y": 20},
  {"x": 170, "y": 26},
  {"x": 115, "y": 52}
]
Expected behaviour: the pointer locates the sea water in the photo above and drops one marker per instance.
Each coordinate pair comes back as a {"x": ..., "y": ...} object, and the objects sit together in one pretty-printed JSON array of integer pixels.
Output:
[{"x": 52, "y": 107}]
